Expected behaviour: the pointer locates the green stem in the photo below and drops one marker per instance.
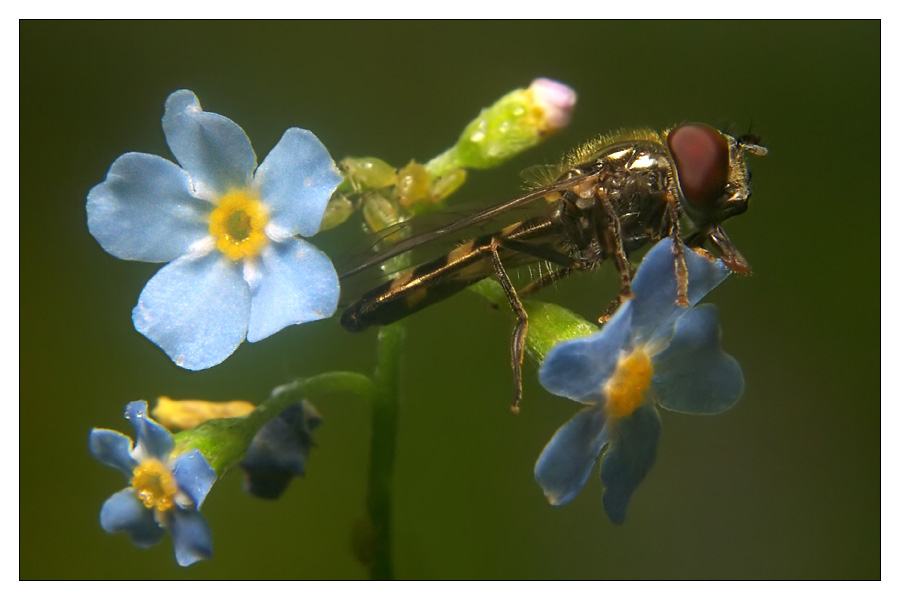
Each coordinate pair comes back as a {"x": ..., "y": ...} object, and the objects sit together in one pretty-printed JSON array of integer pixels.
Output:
[
  {"x": 385, "y": 409},
  {"x": 310, "y": 387},
  {"x": 224, "y": 442}
]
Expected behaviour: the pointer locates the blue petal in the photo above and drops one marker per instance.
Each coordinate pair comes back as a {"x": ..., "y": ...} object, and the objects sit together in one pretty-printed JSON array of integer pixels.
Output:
[
  {"x": 266, "y": 482},
  {"x": 194, "y": 476},
  {"x": 628, "y": 459},
  {"x": 191, "y": 537},
  {"x": 212, "y": 148},
  {"x": 692, "y": 374},
  {"x": 567, "y": 460},
  {"x": 144, "y": 210},
  {"x": 279, "y": 450},
  {"x": 152, "y": 438},
  {"x": 296, "y": 283},
  {"x": 196, "y": 310},
  {"x": 124, "y": 512},
  {"x": 578, "y": 368},
  {"x": 113, "y": 449},
  {"x": 296, "y": 181},
  {"x": 278, "y": 445},
  {"x": 283, "y": 443},
  {"x": 654, "y": 288}
]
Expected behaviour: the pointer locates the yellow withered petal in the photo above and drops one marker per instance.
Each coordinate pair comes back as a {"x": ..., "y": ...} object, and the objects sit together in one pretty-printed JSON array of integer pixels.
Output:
[{"x": 185, "y": 414}]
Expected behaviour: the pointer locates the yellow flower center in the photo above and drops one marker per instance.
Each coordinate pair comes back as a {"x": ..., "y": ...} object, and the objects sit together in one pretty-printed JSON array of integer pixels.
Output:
[
  {"x": 625, "y": 389},
  {"x": 155, "y": 485},
  {"x": 237, "y": 224}
]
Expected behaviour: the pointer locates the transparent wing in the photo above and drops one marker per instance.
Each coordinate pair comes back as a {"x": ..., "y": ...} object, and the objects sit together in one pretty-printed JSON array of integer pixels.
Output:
[{"x": 457, "y": 226}]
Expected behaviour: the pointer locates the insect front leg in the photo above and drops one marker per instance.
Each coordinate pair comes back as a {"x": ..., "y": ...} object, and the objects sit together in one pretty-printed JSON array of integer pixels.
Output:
[{"x": 732, "y": 258}]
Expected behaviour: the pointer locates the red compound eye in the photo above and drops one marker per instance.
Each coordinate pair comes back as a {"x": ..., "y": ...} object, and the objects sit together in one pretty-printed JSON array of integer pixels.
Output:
[{"x": 701, "y": 157}]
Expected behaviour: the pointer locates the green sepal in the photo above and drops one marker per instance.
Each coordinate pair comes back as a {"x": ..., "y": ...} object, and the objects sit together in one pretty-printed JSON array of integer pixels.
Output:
[
  {"x": 338, "y": 210},
  {"x": 550, "y": 324}
]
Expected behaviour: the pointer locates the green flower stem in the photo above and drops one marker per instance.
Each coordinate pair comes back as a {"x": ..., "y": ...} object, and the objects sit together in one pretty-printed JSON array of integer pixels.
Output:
[
  {"x": 224, "y": 442},
  {"x": 335, "y": 382},
  {"x": 385, "y": 411}
]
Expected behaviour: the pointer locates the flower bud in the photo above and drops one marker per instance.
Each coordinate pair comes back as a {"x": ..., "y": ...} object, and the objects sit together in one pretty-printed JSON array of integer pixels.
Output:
[
  {"x": 556, "y": 100},
  {"x": 518, "y": 121}
]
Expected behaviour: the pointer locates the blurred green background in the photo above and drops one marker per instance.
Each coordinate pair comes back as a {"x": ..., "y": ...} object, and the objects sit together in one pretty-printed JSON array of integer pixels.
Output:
[{"x": 786, "y": 485}]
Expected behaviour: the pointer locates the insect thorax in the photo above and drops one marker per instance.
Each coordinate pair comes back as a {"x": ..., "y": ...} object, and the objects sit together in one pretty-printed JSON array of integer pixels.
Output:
[{"x": 634, "y": 178}]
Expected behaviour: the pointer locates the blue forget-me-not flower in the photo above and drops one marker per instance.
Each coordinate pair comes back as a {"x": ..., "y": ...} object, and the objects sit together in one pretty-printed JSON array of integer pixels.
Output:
[
  {"x": 164, "y": 491},
  {"x": 651, "y": 353},
  {"x": 226, "y": 227}
]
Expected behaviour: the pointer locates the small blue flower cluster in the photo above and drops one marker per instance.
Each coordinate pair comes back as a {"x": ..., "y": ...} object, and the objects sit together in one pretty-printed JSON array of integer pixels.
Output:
[{"x": 236, "y": 270}]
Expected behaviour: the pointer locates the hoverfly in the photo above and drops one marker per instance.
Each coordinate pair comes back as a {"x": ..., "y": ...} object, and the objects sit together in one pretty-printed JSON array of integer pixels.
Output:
[{"x": 609, "y": 198}]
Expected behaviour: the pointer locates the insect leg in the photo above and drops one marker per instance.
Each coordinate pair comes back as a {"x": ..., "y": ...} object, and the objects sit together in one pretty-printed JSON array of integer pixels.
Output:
[
  {"x": 539, "y": 251},
  {"x": 610, "y": 309},
  {"x": 612, "y": 241},
  {"x": 548, "y": 278},
  {"x": 732, "y": 258},
  {"x": 521, "y": 328},
  {"x": 569, "y": 264},
  {"x": 730, "y": 255},
  {"x": 681, "y": 274}
]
